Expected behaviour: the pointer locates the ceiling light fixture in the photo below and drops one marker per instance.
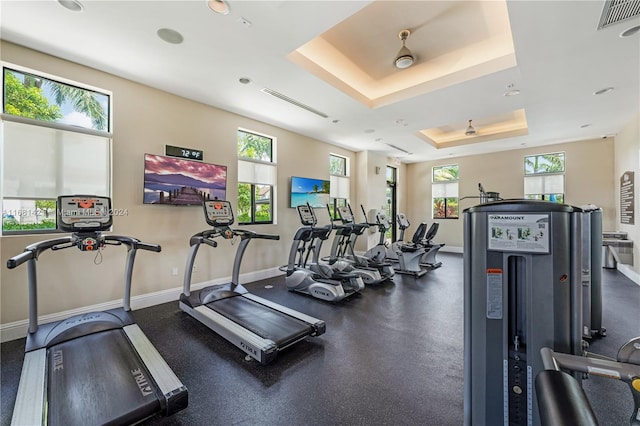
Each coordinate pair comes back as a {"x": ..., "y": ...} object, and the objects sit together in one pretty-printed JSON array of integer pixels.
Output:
[
  {"x": 170, "y": 36},
  {"x": 630, "y": 31},
  {"x": 470, "y": 130},
  {"x": 404, "y": 58},
  {"x": 219, "y": 6},
  {"x": 72, "y": 5}
]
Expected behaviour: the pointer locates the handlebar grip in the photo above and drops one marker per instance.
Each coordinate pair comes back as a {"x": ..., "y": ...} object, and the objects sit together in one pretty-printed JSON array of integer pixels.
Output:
[
  {"x": 267, "y": 236},
  {"x": 19, "y": 259},
  {"x": 147, "y": 246},
  {"x": 209, "y": 242}
]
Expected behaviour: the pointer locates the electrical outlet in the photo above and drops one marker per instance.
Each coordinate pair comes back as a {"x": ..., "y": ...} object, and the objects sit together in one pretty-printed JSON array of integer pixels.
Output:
[{"x": 174, "y": 271}]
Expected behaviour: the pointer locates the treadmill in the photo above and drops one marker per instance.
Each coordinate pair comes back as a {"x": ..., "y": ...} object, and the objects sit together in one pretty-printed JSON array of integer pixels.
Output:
[
  {"x": 93, "y": 368},
  {"x": 259, "y": 327}
]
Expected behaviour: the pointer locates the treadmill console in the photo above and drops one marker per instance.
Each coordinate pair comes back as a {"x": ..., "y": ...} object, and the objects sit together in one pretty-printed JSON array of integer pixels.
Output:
[
  {"x": 218, "y": 213},
  {"x": 307, "y": 215},
  {"x": 84, "y": 213}
]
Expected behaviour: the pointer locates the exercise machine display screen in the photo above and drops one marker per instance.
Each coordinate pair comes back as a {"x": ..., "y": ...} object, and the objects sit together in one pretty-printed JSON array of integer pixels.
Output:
[
  {"x": 345, "y": 214},
  {"x": 218, "y": 212},
  {"x": 84, "y": 213},
  {"x": 307, "y": 216},
  {"x": 383, "y": 219}
]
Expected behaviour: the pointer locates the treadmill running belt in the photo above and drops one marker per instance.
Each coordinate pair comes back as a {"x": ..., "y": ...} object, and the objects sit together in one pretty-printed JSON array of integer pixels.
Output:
[
  {"x": 98, "y": 379},
  {"x": 262, "y": 320}
]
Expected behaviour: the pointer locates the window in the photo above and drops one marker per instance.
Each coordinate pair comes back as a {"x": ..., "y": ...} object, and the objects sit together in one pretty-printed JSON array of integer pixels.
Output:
[
  {"x": 256, "y": 178},
  {"x": 391, "y": 195},
  {"x": 339, "y": 182},
  {"x": 444, "y": 192},
  {"x": 544, "y": 177},
  {"x": 50, "y": 127}
]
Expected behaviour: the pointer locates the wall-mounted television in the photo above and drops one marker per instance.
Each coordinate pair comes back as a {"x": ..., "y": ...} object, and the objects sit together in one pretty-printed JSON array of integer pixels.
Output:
[
  {"x": 307, "y": 190},
  {"x": 181, "y": 182}
]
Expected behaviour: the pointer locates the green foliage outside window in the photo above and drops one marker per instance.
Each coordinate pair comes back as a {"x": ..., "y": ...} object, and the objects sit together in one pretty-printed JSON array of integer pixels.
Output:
[
  {"x": 445, "y": 173},
  {"x": 38, "y": 98},
  {"x": 445, "y": 207},
  {"x": 544, "y": 163},
  {"x": 255, "y": 147},
  {"x": 337, "y": 165},
  {"x": 31, "y": 96},
  {"x": 255, "y": 201}
]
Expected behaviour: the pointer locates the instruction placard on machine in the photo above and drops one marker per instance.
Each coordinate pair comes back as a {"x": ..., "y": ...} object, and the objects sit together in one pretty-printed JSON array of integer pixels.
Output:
[{"x": 519, "y": 232}]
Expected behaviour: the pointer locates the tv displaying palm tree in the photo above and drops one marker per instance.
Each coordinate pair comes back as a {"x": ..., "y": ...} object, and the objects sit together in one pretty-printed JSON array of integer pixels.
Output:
[{"x": 307, "y": 190}]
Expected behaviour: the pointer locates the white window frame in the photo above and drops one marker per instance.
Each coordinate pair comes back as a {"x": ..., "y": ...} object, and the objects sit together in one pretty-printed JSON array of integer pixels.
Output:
[
  {"x": 18, "y": 123},
  {"x": 254, "y": 172}
]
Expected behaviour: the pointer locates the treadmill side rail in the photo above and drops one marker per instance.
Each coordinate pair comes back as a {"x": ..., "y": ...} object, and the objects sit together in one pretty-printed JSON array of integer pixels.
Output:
[
  {"x": 29, "y": 406},
  {"x": 262, "y": 350},
  {"x": 318, "y": 325},
  {"x": 174, "y": 392}
]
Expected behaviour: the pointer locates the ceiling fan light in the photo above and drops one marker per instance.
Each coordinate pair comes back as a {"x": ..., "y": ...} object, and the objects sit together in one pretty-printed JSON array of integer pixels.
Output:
[
  {"x": 470, "y": 130},
  {"x": 404, "y": 60}
]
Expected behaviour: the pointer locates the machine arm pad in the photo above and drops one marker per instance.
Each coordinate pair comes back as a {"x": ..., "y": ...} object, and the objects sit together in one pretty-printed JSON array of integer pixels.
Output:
[{"x": 561, "y": 400}]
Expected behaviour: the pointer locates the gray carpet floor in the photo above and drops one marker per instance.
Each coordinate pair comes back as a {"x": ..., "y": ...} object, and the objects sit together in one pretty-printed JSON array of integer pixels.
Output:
[{"x": 392, "y": 355}]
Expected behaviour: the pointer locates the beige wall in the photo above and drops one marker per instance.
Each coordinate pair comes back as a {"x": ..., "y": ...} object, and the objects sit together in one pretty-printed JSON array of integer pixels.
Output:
[
  {"x": 627, "y": 158},
  {"x": 588, "y": 179},
  {"x": 146, "y": 119}
]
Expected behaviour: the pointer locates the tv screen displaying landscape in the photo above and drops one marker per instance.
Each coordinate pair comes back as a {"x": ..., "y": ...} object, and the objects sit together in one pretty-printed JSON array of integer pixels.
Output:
[
  {"x": 176, "y": 181},
  {"x": 312, "y": 191}
]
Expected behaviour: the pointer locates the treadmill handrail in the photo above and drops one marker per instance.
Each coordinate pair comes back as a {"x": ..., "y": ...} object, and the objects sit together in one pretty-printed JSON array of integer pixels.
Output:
[
  {"x": 247, "y": 233},
  {"x": 33, "y": 251}
]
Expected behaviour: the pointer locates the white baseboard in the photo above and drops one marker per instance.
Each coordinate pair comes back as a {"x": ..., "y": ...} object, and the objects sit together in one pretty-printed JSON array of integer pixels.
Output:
[
  {"x": 451, "y": 249},
  {"x": 629, "y": 273},
  {"x": 18, "y": 329}
]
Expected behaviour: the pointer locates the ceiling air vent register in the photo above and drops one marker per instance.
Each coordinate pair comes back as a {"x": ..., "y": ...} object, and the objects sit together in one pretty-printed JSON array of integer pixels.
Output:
[{"x": 618, "y": 10}]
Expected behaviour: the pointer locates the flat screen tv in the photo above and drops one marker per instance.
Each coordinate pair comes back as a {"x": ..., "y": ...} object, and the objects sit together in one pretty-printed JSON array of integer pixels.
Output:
[
  {"x": 313, "y": 191},
  {"x": 181, "y": 182}
]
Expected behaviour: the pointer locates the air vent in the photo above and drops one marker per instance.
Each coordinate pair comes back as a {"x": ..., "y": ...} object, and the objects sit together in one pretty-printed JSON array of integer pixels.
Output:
[
  {"x": 293, "y": 101},
  {"x": 618, "y": 10},
  {"x": 399, "y": 149}
]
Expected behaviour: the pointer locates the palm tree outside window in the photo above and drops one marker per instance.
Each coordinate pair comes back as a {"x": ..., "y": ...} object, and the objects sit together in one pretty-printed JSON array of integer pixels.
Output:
[{"x": 57, "y": 137}]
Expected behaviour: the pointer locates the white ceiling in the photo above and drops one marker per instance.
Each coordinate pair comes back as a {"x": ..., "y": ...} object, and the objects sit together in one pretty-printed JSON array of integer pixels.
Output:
[{"x": 561, "y": 60}]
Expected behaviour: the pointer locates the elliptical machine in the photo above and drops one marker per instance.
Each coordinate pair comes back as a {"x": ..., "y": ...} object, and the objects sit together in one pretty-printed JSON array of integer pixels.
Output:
[
  {"x": 363, "y": 261},
  {"x": 305, "y": 273},
  {"x": 378, "y": 253},
  {"x": 407, "y": 256}
]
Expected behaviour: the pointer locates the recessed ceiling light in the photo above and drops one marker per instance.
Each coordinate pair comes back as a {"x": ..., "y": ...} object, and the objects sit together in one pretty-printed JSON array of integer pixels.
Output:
[
  {"x": 584, "y": 126},
  {"x": 335, "y": 121},
  {"x": 630, "y": 31},
  {"x": 603, "y": 91},
  {"x": 72, "y": 5},
  {"x": 170, "y": 36},
  {"x": 219, "y": 6},
  {"x": 244, "y": 80}
]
